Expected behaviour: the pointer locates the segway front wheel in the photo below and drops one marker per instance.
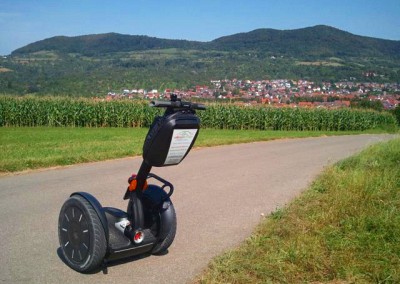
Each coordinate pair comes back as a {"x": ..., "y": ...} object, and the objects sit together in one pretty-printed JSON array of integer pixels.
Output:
[{"x": 81, "y": 235}]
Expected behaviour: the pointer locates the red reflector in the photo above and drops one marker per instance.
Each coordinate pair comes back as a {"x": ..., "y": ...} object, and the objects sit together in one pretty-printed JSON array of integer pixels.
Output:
[{"x": 138, "y": 237}]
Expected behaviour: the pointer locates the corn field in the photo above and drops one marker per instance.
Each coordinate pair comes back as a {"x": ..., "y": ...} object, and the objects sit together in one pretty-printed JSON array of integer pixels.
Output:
[
  {"x": 303, "y": 119},
  {"x": 52, "y": 111}
]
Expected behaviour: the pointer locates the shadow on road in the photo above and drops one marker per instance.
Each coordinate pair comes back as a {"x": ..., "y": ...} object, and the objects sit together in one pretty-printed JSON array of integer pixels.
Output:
[{"x": 108, "y": 264}]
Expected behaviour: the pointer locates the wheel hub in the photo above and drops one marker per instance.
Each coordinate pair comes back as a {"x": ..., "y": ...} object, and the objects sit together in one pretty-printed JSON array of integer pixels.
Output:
[{"x": 75, "y": 234}]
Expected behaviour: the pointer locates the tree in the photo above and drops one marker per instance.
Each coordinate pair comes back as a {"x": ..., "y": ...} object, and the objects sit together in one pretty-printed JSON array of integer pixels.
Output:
[
  {"x": 365, "y": 103},
  {"x": 396, "y": 113}
]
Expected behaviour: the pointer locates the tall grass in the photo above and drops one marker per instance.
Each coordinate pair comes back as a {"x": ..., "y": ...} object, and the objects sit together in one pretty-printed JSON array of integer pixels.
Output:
[
  {"x": 33, "y": 111},
  {"x": 344, "y": 229}
]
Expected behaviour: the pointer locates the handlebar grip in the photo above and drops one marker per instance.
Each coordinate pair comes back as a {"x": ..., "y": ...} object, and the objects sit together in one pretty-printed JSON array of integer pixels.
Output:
[
  {"x": 177, "y": 104},
  {"x": 160, "y": 104},
  {"x": 199, "y": 106}
]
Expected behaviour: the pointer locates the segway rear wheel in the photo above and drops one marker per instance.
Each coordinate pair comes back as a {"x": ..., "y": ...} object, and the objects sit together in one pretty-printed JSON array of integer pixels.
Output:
[
  {"x": 81, "y": 235},
  {"x": 168, "y": 235}
]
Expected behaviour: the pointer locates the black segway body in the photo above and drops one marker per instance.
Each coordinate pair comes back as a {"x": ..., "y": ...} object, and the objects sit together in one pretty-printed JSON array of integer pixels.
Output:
[{"x": 89, "y": 234}]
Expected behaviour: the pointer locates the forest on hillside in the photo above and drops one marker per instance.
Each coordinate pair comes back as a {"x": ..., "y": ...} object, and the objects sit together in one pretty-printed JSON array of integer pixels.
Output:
[{"x": 94, "y": 65}]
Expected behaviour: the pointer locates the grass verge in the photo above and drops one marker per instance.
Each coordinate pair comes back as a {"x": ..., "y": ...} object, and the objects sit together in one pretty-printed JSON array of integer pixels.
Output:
[
  {"x": 23, "y": 148},
  {"x": 344, "y": 229}
]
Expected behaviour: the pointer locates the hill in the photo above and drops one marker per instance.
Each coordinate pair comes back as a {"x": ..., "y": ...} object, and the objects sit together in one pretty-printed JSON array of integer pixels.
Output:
[
  {"x": 99, "y": 44},
  {"x": 95, "y": 64},
  {"x": 318, "y": 41}
]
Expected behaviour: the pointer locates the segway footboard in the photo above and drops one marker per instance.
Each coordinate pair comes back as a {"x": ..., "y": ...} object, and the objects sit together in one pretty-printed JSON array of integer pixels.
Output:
[{"x": 124, "y": 242}]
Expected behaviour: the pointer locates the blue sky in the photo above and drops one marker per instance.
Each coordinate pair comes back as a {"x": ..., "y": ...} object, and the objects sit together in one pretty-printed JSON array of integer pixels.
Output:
[{"x": 26, "y": 21}]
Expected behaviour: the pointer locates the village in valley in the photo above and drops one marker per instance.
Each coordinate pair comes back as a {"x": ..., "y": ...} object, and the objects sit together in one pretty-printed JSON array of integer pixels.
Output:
[{"x": 280, "y": 93}]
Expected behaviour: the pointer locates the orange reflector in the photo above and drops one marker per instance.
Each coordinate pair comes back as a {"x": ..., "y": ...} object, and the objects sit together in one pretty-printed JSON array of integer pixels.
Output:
[{"x": 133, "y": 185}]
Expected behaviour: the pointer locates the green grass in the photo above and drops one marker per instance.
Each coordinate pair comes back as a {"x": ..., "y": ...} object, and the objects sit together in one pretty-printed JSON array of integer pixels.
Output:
[
  {"x": 344, "y": 229},
  {"x": 23, "y": 148},
  {"x": 31, "y": 148}
]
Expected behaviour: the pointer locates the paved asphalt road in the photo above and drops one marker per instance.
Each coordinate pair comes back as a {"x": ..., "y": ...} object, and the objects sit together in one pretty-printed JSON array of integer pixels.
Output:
[{"x": 219, "y": 196}]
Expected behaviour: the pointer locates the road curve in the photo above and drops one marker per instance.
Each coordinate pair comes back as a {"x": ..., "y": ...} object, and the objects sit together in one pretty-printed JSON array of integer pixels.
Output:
[{"x": 220, "y": 193}]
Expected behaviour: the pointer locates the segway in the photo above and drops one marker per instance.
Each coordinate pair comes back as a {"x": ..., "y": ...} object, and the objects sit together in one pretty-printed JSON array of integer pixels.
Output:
[{"x": 91, "y": 235}]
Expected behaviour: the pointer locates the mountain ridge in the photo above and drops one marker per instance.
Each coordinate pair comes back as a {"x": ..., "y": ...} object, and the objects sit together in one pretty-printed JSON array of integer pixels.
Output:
[
  {"x": 101, "y": 43},
  {"x": 315, "y": 40},
  {"x": 318, "y": 40}
]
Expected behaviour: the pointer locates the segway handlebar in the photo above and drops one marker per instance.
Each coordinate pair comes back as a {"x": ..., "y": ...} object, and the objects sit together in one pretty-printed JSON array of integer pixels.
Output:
[{"x": 177, "y": 104}]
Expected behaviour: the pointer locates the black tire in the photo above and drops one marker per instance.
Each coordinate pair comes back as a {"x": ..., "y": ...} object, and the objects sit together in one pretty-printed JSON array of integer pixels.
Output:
[
  {"x": 81, "y": 235},
  {"x": 165, "y": 241}
]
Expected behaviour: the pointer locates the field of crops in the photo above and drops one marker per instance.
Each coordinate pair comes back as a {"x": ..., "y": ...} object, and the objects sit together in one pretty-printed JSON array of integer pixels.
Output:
[
  {"x": 34, "y": 111},
  {"x": 55, "y": 111}
]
